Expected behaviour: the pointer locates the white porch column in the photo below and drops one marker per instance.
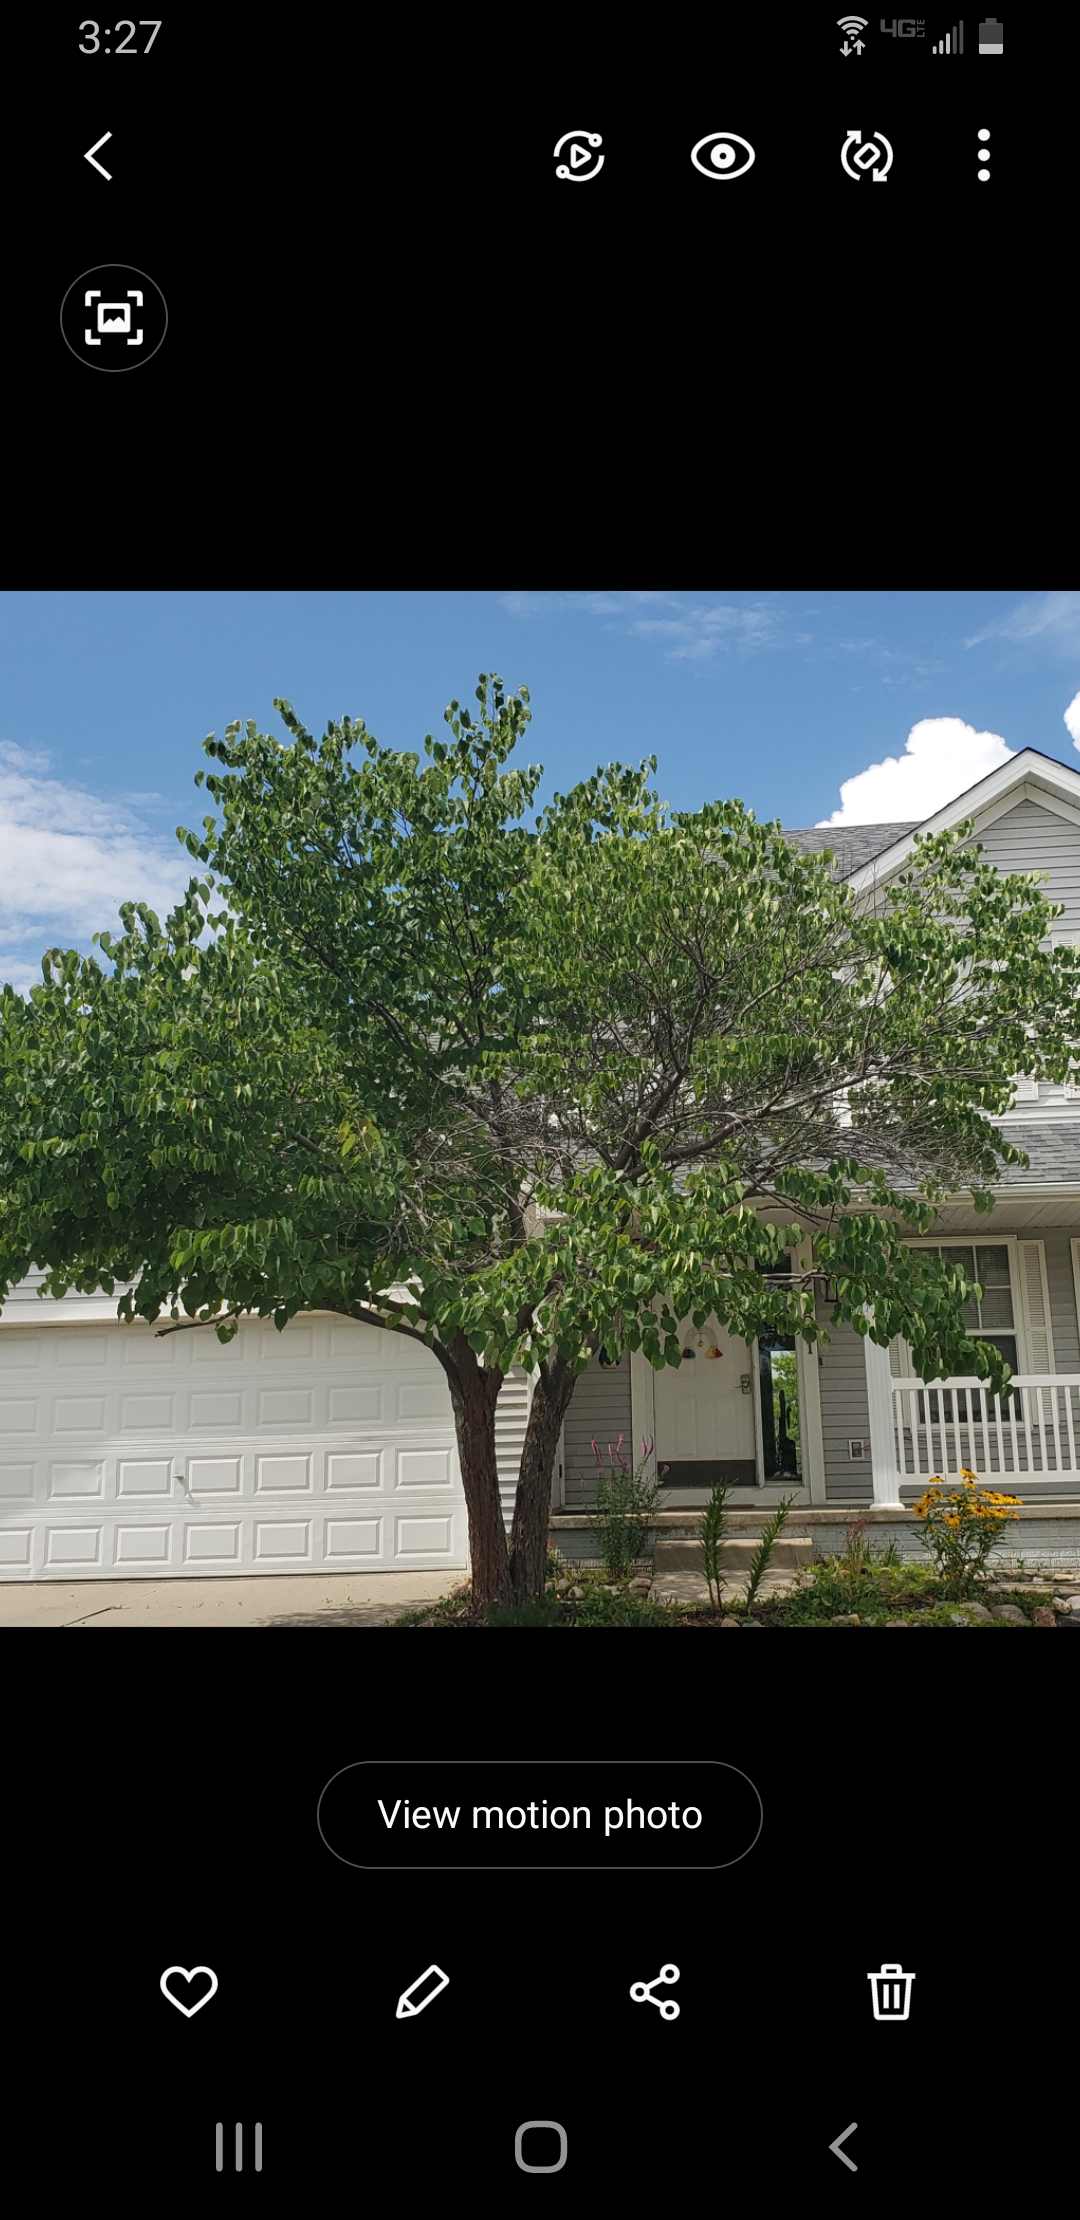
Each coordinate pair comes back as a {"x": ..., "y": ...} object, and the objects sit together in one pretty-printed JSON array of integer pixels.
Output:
[{"x": 882, "y": 1444}]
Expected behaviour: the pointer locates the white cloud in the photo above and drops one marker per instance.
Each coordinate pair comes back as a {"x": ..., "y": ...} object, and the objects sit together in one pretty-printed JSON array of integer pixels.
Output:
[
  {"x": 68, "y": 859},
  {"x": 942, "y": 757},
  {"x": 693, "y": 628},
  {"x": 1054, "y": 617},
  {"x": 1072, "y": 719}
]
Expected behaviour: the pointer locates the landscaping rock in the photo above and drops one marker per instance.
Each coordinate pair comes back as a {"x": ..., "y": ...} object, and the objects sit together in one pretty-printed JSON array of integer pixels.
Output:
[
  {"x": 680, "y": 1587},
  {"x": 729, "y": 1622},
  {"x": 577, "y": 1593},
  {"x": 979, "y": 1611},
  {"x": 1012, "y": 1614},
  {"x": 897, "y": 1622},
  {"x": 640, "y": 1586},
  {"x": 1068, "y": 1603},
  {"x": 959, "y": 1618},
  {"x": 1043, "y": 1615}
]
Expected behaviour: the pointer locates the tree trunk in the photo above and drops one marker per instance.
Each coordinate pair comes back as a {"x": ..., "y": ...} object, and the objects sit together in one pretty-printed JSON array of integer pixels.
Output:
[
  {"x": 555, "y": 1384},
  {"x": 474, "y": 1421}
]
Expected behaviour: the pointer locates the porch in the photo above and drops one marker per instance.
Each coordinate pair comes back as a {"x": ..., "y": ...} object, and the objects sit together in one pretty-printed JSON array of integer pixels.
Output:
[{"x": 1046, "y": 1534}]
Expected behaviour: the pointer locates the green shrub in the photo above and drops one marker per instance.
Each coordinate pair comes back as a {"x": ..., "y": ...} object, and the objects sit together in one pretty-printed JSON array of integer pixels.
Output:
[
  {"x": 624, "y": 1510},
  {"x": 534, "y": 1611},
  {"x": 770, "y": 1535},
  {"x": 712, "y": 1538}
]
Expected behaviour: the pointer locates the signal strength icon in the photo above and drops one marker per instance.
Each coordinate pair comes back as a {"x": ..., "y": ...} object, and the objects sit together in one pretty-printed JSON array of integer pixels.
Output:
[
  {"x": 957, "y": 47},
  {"x": 851, "y": 25}
]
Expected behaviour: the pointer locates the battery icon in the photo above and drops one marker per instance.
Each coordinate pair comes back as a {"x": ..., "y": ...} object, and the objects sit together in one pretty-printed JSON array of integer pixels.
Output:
[{"x": 990, "y": 36}]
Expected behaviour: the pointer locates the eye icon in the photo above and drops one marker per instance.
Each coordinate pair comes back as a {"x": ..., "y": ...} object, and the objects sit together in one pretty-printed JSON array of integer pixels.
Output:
[{"x": 723, "y": 154}]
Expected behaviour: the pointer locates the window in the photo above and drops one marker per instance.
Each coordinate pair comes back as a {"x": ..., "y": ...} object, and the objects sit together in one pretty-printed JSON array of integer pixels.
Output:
[
  {"x": 778, "y": 1380},
  {"x": 989, "y": 1317},
  {"x": 778, "y": 1371}
]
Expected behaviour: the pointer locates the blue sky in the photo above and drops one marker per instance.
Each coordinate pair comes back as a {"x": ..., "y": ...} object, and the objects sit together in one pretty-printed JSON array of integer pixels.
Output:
[{"x": 782, "y": 699}]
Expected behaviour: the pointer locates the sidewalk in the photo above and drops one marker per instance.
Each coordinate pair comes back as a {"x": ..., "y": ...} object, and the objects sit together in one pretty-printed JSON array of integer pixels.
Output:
[{"x": 270, "y": 1599}]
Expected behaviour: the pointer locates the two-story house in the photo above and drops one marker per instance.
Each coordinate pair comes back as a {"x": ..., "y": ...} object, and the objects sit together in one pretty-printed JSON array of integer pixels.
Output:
[{"x": 331, "y": 1446}]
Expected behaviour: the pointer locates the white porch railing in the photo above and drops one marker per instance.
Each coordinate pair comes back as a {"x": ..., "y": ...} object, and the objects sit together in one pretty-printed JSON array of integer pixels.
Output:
[{"x": 942, "y": 1426}]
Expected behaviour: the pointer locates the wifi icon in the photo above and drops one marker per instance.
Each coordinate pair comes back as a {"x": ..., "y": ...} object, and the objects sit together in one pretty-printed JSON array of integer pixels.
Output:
[
  {"x": 852, "y": 22},
  {"x": 851, "y": 25}
]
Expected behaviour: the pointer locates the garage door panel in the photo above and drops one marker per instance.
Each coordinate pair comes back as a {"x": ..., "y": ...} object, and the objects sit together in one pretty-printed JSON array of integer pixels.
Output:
[
  {"x": 73, "y": 1548},
  {"x": 205, "y": 1349},
  {"x": 17, "y": 1483},
  {"x": 364, "y": 1470},
  {"x": 147, "y": 1414},
  {"x": 18, "y": 1417},
  {"x": 217, "y": 1410},
  {"x": 350, "y": 1406},
  {"x": 77, "y": 1479},
  {"x": 283, "y": 1473},
  {"x": 147, "y": 1547},
  {"x": 212, "y": 1548},
  {"x": 82, "y": 1352},
  {"x": 349, "y": 1539},
  {"x": 141, "y": 1346},
  {"x": 79, "y": 1414},
  {"x": 285, "y": 1407},
  {"x": 278, "y": 1538},
  {"x": 215, "y": 1476},
  {"x": 423, "y": 1468},
  {"x": 295, "y": 1346},
  {"x": 425, "y": 1537},
  {"x": 149, "y": 1477},
  {"x": 20, "y": 1350}
]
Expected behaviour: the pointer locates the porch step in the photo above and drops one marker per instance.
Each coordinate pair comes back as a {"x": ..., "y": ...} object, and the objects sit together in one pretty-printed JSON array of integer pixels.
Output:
[{"x": 683, "y": 1554}]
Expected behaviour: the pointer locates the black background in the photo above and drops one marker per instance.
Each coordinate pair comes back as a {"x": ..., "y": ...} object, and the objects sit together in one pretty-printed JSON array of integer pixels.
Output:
[{"x": 333, "y": 208}]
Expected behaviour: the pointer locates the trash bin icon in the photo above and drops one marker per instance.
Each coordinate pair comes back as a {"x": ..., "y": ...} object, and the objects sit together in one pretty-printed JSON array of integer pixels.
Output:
[{"x": 891, "y": 1991}]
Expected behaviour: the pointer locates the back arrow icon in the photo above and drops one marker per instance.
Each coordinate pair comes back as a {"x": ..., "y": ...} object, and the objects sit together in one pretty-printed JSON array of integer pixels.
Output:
[
  {"x": 842, "y": 2155},
  {"x": 89, "y": 156}
]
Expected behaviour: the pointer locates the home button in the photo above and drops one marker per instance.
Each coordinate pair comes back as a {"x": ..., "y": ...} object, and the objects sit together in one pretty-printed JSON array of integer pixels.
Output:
[{"x": 547, "y": 2138}]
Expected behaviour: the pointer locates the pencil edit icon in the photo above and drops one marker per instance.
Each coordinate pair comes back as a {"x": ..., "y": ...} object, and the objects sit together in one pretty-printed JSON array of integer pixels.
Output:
[{"x": 423, "y": 1991}]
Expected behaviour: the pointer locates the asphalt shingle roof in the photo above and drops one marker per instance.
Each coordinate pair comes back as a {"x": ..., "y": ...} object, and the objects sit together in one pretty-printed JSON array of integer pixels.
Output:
[
  {"x": 853, "y": 845},
  {"x": 1053, "y": 1147}
]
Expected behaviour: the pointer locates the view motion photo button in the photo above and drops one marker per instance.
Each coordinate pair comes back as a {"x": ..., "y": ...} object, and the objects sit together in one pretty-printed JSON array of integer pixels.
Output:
[
  {"x": 613, "y": 1815},
  {"x": 114, "y": 318}
]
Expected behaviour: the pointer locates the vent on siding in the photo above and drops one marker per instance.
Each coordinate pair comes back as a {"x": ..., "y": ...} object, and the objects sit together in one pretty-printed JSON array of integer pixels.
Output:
[
  {"x": 511, "y": 1420},
  {"x": 858, "y": 1449}
]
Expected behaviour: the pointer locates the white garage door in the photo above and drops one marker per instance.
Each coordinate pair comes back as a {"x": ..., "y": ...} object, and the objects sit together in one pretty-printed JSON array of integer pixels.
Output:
[{"x": 327, "y": 1446}]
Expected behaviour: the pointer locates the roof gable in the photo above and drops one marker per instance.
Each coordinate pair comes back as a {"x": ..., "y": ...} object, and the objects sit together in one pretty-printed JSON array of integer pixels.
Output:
[{"x": 1029, "y": 775}]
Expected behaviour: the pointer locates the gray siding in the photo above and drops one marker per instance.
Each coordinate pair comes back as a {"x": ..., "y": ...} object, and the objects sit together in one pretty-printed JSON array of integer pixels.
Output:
[
  {"x": 845, "y": 1415},
  {"x": 600, "y": 1407},
  {"x": 511, "y": 1420},
  {"x": 1029, "y": 838}
]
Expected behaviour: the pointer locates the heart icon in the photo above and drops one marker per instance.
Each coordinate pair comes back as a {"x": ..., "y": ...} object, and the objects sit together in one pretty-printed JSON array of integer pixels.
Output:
[{"x": 188, "y": 2009}]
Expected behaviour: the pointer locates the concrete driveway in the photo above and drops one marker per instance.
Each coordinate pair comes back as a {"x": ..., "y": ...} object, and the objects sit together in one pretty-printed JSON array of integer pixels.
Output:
[{"x": 274, "y": 1599}]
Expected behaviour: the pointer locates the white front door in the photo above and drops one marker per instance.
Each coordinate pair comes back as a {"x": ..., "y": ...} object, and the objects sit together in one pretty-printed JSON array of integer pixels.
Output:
[{"x": 705, "y": 1412}]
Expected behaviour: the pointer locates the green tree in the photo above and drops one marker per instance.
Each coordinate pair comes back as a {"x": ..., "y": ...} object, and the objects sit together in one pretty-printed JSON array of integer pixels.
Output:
[{"x": 517, "y": 1093}]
